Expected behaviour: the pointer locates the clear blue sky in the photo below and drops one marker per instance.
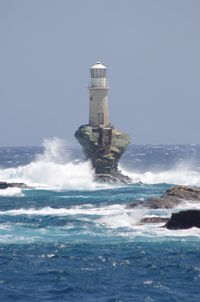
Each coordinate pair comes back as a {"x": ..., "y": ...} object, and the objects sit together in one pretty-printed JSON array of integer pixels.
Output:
[{"x": 151, "y": 49}]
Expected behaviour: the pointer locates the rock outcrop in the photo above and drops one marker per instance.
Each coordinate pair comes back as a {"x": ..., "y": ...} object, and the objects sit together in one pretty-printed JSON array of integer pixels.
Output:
[
  {"x": 184, "y": 220},
  {"x": 4, "y": 185},
  {"x": 104, "y": 146},
  {"x": 172, "y": 197}
]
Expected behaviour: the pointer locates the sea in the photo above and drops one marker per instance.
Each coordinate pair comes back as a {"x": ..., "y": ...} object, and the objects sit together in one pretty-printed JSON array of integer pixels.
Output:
[{"x": 69, "y": 238}]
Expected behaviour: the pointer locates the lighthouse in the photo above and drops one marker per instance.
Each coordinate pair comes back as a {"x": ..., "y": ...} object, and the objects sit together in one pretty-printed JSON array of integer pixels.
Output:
[
  {"x": 101, "y": 142},
  {"x": 98, "y": 96}
]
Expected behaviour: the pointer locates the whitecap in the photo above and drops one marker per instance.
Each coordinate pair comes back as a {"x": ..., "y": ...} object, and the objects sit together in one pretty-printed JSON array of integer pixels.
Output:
[
  {"x": 11, "y": 192},
  {"x": 54, "y": 170},
  {"x": 177, "y": 176}
]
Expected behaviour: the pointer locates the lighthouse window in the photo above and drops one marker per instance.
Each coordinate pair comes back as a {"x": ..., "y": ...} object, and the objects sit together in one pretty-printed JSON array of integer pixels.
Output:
[
  {"x": 100, "y": 118},
  {"x": 90, "y": 98}
]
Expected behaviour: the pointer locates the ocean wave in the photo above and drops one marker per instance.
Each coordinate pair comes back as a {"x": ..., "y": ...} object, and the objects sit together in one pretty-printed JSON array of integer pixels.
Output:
[
  {"x": 11, "y": 192},
  {"x": 114, "y": 220},
  {"x": 46, "y": 211},
  {"x": 86, "y": 209},
  {"x": 157, "y": 232},
  {"x": 43, "y": 174},
  {"x": 54, "y": 170},
  {"x": 178, "y": 176}
]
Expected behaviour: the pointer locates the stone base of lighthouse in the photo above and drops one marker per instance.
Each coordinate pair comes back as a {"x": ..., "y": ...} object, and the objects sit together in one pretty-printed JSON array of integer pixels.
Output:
[{"x": 104, "y": 146}]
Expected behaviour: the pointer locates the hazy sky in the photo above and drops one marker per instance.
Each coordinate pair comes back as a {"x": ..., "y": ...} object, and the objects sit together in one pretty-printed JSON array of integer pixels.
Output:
[{"x": 151, "y": 49}]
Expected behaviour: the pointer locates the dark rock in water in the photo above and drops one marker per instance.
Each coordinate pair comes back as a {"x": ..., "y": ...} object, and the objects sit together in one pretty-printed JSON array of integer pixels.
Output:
[
  {"x": 183, "y": 192},
  {"x": 104, "y": 146},
  {"x": 113, "y": 178},
  {"x": 184, "y": 220},
  {"x": 172, "y": 197},
  {"x": 5, "y": 185}
]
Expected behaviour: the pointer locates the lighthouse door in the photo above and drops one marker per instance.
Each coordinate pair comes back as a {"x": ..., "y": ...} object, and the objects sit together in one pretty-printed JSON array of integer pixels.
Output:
[{"x": 100, "y": 118}]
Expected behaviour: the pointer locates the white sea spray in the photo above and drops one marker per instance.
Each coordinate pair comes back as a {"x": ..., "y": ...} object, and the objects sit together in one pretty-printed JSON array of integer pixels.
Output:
[
  {"x": 54, "y": 169},
  {"x": 177, "y": 176},
  {"x": 11, "y": 192}
]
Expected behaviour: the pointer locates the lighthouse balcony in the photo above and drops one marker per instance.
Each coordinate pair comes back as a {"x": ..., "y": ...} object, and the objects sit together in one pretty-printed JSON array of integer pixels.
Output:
[{"x": 99, "y": 84}]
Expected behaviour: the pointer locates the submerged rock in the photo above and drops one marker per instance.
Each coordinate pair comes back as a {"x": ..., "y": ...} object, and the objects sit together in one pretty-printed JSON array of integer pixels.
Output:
[
  {"x": 4, "y": 185},
  {"x": 184, "y": 220},
  {"x": 104, "y": 146},
  {"x": 172, "y": 197}
]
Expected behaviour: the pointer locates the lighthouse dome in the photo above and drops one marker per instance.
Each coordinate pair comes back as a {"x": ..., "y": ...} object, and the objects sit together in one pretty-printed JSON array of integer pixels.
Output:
[
  {"x": 98, "y": 65},
  {"x": 98, "y": 71}
]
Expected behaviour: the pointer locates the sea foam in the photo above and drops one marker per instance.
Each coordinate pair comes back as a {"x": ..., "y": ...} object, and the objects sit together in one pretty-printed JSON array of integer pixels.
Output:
[
  {"x": 182, "y": 175},
  {"x": 11, "y": 192},
  {"x": 114, "y": 220},
  {"x": 53, "y": 169}
]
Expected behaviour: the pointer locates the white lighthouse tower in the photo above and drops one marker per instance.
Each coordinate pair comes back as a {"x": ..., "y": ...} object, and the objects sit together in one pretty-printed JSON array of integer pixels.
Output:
[
  {"x": 98, "y": 93},
  {"x": 101, "y": 142}
]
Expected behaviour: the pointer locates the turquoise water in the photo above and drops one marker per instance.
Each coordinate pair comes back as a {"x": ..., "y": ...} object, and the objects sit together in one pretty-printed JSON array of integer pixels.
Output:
[{"x": 71, "y": 239}]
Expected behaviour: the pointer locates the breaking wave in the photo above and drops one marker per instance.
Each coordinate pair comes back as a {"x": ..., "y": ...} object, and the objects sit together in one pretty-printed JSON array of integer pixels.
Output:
[
  {"x": 114, "y": 220},
  {"x": 53, "y": 169},
  {"x": 178, "y": 176},
  {"x": 11, "y": 192}
]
